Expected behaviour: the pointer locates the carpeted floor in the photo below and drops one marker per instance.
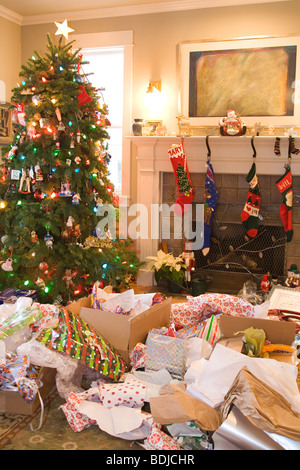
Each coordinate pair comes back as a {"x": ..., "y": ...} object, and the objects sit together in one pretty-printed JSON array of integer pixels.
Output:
[{"x": 55, "y": 433}]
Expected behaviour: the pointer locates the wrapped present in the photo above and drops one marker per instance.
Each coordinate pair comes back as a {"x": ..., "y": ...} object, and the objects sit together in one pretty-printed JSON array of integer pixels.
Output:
[
  {"x": 166, "y": 352},
  {"x": 208, "y": 304},
  {"x": 19, "y": 319},
  {"x": 75, "y": 337},
  {"x": 131, "y": 393},
  {"x": 184, "y": 315},
  {"x": 10, "y": 296}
]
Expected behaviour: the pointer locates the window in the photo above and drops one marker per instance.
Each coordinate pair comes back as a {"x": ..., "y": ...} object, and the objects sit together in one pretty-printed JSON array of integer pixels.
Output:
[
  {"x": 106, "y": 67},
  {"x": 101, "y": 46}
]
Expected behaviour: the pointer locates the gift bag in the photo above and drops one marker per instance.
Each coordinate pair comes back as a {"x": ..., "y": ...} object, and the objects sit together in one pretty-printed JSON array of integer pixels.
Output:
[{"x": 166, "y": 352}]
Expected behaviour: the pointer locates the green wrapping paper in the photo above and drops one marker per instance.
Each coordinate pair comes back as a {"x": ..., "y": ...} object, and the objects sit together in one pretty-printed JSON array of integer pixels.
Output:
[
  {"x": 18, "y": 320},
  {"x": 75, "y": 337}
]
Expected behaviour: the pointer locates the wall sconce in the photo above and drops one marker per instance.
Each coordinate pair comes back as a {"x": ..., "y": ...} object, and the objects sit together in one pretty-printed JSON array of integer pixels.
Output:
[
  {"x": 154, "y": 86},
  {"x": 153, "y": 100}
]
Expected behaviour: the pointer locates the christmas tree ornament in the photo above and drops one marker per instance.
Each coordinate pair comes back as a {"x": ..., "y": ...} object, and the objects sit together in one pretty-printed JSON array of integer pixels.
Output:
[
  {"x": 83, "y": 97},
  {"x": 58, "y": 114},
  {"x": 183, "y": 180},
  {"x": 24, "y": 187},
  {"x": 48, "y": 239},
  {"x": 285, "y": 187},
  {"x": 68, "y": 278},
  {"x": 78, "y": 136},
  {"x": 38, "y": 194},
  {"x": 210, "y": 203},
  {"x": 77, "y": 159},
  {"x": 63, "y": 29},
  {"x": 40, "y": 283},
  {"x": 65, "y": 190},
  {"x": 76, "y": 199},
  {"x": 43, "y": 266},
  {"x": 33, "y": 236},
  {"x": 38, "y": 173},
  {"x": 7, "y": 266}
]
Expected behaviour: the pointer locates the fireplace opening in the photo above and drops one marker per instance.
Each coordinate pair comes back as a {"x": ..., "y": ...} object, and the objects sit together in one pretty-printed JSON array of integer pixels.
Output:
[{"x": 234, "y": 257}]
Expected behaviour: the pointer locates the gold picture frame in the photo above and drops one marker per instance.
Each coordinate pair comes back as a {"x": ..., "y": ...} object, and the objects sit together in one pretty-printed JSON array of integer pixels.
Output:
[
  {"x": 5, "y": 123},
  {"x": 219, "y": 76}
]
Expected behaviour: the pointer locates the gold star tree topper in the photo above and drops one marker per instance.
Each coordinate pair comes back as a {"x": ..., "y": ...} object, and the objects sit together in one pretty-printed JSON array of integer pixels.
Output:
[{"x": 63, "y": 29}]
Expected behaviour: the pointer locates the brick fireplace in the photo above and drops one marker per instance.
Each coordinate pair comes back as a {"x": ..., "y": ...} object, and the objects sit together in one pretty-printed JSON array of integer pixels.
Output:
[{"x": 231, "y": 158}]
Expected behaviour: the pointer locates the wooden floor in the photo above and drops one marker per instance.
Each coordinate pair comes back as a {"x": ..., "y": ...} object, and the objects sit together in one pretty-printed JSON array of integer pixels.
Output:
[{"x": 176, "y": 298}]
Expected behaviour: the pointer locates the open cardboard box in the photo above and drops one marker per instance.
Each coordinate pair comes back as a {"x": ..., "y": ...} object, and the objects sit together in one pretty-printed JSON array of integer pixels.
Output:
[
  {"x": 277, "y": 332},
  {"x": 123, "y": 332},
  {"x": 11, "y": 401}
]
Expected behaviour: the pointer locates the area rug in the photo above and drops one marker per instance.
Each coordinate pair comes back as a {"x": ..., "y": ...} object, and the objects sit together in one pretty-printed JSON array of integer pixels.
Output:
[
  {"x": 56, "y": 434},
  {"x": 11, "y": 424}
]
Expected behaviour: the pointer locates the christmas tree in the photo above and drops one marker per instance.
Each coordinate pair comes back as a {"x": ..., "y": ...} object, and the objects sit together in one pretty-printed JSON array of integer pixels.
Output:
[{"x": 54, "y": 179}]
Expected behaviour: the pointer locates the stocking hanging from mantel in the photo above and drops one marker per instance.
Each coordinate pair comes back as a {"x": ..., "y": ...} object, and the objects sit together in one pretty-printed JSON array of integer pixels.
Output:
[
  {"x": 210, "y": 203},
  {"x": 184, "y": 184},
  {"x": 250, "y": 213},
  {"x": 285, "y": 186}
]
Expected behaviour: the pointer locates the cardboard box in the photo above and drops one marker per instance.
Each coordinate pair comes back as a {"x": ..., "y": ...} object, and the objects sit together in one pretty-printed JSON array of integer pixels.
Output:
[
  {"x": 277, "y": 332},
  {"x": 123, "y": 332},
  {"x": 11, "y": 401},
  {"x": 10, "y": 296}
]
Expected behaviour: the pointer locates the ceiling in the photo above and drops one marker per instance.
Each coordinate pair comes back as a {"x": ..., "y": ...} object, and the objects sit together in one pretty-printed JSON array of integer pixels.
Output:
[{"x": 37, "y": 11}]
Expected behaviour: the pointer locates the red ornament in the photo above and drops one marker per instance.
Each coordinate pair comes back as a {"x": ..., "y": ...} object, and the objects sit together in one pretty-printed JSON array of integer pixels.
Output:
[{"x": 83, "y": 97}]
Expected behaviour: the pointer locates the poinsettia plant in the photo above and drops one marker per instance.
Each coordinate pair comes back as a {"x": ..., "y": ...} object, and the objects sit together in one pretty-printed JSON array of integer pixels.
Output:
[{"x": 167, "y": 266}]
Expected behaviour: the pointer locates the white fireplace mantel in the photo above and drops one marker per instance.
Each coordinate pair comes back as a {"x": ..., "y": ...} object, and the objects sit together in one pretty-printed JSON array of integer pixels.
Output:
[{"x": 232, "y": 155}]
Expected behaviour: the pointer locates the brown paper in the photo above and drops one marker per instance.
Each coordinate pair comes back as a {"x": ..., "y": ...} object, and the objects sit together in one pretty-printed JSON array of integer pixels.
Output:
[
  {"x": 262, "y": 406},
  {"x": 179, "y": 407}
]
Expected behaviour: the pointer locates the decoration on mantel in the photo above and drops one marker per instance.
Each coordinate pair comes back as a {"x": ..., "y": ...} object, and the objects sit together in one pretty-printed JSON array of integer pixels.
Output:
[{"x": 232, "y": 124}]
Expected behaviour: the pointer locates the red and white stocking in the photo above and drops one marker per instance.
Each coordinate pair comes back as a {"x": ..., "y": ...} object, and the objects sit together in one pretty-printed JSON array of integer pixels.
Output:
[{"x": 186, "y": 191}]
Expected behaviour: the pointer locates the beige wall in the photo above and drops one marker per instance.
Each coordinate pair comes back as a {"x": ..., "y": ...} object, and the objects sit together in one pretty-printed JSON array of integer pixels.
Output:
[
  {"x": 156, "y": 37},
  {"x": 10, "y": 41}
]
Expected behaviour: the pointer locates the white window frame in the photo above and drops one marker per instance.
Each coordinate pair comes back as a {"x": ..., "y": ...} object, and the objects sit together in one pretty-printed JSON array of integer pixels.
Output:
[{"x": 122, "y": 39}]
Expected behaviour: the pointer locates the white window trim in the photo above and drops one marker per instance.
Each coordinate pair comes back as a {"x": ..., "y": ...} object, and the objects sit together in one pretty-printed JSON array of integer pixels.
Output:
[{"x": 117, "y": 39}]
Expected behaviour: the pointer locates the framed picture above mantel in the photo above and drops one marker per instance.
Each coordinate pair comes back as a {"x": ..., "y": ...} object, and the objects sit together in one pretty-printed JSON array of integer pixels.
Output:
[{"x": 257, "y": 78}]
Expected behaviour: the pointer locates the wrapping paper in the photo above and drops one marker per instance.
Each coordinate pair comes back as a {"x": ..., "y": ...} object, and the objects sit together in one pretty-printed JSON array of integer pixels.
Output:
[
  {"x": 214, "y": 380},
  {"x": 209, "y": 304},
  {"x": 19, "y": 373},
  {"x": 166, "y": 352},
  {"x": 80, "y": 341},
  {"x": 18, "y": 320},
  {"x": 158, "y": 440},
  {"x": 131, "y": 393},
  {"x": 138, "y": 356},
  {"x": 184, "y": 315}
]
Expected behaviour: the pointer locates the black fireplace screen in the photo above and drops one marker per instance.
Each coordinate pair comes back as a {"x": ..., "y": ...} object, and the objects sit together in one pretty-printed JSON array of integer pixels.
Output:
[{"x": 232, "y": 250}]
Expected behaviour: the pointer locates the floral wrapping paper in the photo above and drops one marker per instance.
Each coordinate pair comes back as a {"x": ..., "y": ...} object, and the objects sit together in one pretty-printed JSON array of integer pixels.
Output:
[{"x": 159, "y": 440}]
